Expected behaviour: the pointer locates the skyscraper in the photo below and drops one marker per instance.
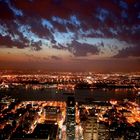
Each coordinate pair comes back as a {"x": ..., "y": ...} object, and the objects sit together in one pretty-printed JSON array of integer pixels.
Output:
[
  {"x": 70, "y": 118},
  {"x": 138, "y": 98}
]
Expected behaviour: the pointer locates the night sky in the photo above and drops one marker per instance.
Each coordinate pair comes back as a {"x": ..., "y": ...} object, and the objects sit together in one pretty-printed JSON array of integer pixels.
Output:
[{"x": 70, "y": 35}]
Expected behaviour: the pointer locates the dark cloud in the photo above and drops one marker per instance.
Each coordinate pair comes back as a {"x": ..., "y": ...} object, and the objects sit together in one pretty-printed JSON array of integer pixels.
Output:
[
  {"x": 11, "y": 37},
  {"x": 79, "y": 49},
  {"x": 84, "y": 9},
  {"x": 36, "y": 46},
  {"x": 59, "y": 47},
  {"x": 5, "y": 12},
  {"x": 82, "y": 49},
  {"x": 56, "y": 58},
  {"x": 41, "y": 19},
  {"x": 7, "y": 42},
  {"x": 131, "y": 51},
  {"x": 36, "y": 26}
]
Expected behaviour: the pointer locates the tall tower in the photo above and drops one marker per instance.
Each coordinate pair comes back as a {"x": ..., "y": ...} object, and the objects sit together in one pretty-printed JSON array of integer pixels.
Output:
[
  {"x": 138, "y": 98},
  {"x": 70, "y": 118}
]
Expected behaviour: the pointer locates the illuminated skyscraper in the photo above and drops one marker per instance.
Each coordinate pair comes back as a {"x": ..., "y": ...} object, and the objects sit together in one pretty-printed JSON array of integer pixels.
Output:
[{"x": 70, "y": 118}]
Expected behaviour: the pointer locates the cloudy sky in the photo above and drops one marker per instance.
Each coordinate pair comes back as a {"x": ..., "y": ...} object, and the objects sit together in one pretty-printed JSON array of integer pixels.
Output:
[{"x": 70, "y": 35}]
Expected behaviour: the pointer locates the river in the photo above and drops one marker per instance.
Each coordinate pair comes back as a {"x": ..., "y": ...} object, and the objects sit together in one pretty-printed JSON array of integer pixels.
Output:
[{"x": 85, "y": 95}]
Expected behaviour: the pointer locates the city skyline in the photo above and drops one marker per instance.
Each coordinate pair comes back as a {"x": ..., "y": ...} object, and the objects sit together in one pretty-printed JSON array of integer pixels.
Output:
[{"x": 62, "y": 35}]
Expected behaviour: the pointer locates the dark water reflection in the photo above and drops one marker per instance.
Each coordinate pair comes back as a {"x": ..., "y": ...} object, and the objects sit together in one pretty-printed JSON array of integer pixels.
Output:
[{"x": 80, "y": 94}]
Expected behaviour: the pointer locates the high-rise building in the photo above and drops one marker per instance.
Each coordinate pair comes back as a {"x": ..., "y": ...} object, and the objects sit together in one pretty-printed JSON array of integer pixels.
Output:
[
  {"x": 70, "y": 118},
  {"x": 138, "y": 98}
]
